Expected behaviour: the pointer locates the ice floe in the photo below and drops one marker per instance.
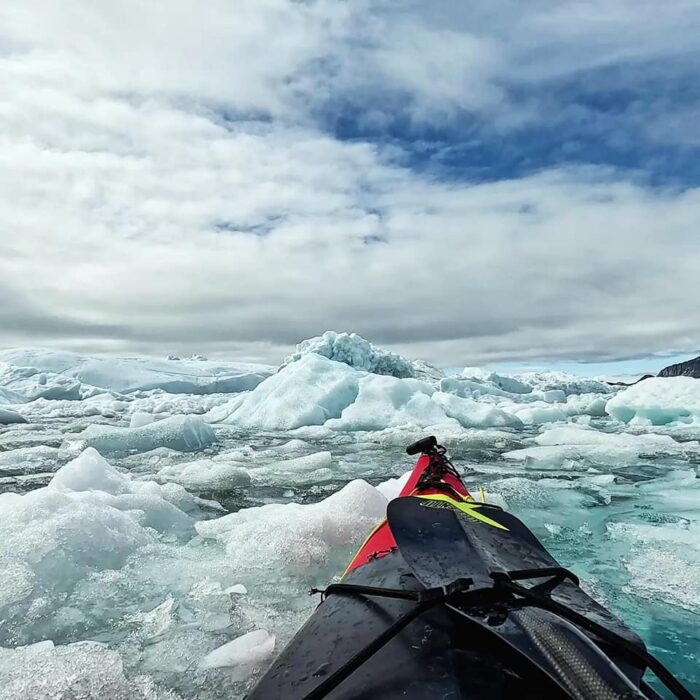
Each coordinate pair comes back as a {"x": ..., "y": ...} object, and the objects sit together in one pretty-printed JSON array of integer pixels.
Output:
[
  {"x": 71, "y": 375},
  {"x": 8, "y": 416},
  {"x": 182, "y": 433},
  {"x": 251, "y": 648},
  {"x": 297, "y": 537},
  {"x": 658, "y": 401},
  {"x": 206, "y": 475},
  {"x": 555, "y": 447}
]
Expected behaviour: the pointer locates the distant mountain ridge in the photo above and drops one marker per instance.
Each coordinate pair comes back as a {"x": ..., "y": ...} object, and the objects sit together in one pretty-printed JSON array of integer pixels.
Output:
[{"x": 689, "y": 368}]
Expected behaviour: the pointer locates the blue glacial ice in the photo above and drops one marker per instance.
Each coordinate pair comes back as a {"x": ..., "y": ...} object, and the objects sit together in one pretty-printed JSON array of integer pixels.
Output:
[
  {"x": 181, "y": 433},
  {"x": 356, "y": 352},
  {"x": 658, "y": 401}
]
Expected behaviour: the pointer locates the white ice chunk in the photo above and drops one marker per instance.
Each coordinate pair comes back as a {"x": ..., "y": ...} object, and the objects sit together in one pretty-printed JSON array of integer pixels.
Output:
[
  {"x": 153, "y": 623},
  {"x": 29, "y": 460},
  {"x": 205, "y": 474},
  {"x": 554, "y": 396},
  {"x": 658, "y": 401},
  {"x": 509, "y": 384},
  {"x": 306, "y": 392},
  {"x": 557, "y": 445},
  {"x": 391, "y": 488},
  {"x": 139, "y": 419},
  {"x": 298, "y": 465},
  {"x": 385, "y": 402},
  {"x": 249, "y": 649},
  {"x": 538, "y": 413},
  {"x": 90, "y": 472},
  {"x": 90, "y": 517},
  {"x": 182, "y": 433},
  {"x": 297, "y": 536},
  {"x": 474, "y": 414},
  {"x": 586, "y": 404}
]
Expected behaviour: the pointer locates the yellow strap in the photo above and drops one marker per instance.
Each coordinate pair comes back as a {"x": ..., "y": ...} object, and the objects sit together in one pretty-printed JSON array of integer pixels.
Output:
[{"x": 470, "y": 509}]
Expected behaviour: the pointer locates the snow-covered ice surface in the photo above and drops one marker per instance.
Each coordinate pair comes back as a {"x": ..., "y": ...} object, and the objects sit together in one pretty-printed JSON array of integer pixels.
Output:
[{"x": 162, "y": 520}]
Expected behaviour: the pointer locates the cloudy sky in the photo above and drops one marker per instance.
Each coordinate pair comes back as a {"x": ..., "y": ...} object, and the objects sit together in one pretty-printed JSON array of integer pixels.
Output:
[{"x": 492, "y": 181}]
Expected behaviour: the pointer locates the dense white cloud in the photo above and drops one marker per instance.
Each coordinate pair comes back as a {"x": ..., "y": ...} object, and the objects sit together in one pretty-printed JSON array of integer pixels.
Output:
[{"x": 164, "y": 185}]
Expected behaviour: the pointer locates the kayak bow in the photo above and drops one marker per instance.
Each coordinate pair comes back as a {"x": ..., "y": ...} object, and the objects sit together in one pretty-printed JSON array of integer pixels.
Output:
[{"x": 453, "y": 598}]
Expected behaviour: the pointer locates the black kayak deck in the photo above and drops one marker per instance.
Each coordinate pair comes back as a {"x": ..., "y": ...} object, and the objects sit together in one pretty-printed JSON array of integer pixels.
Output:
[{"x": 440, "y": 654}]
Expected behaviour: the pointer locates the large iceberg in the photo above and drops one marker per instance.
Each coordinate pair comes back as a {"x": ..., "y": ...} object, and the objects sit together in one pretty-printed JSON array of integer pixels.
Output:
[
  {"x": 658, "y": 401},
  {"x": 316, "y": 391},
  {"x": 31, "y": 383},
  {"x": 353, "y": 350},
  {"x": 387, "y": 402},
  {"x": 34, "y": 372},
  {"x": 306, "y": 392}
]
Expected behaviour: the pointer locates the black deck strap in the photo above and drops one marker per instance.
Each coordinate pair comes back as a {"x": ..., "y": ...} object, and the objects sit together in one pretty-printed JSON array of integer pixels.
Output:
[
  {"x": 421, "y": 596},
  {"x": 425, "y": 599},
  {"x": 543, "y": 600},
  {"x": 554, "y": 574}
]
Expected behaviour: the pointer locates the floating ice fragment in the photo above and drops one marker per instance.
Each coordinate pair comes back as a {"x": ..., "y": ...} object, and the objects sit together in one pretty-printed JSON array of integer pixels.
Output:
[
  {"x": 391, "y": 488},
  {"x": 139, "y": 419},
  {"x": 90, "y": 472},
  {"x": 658, "y": 401},
  {"x": 29, "y": 460},
  {"x": 249, "y": 649},
  {"x": 182, "y": 433},
  {"x": 7, "y": 417},
  {"x": 557, "y": 447},
  {"x": 205, "y": 475},
  {"x": 473, "y": 414},
  {"x": 297, "y": 536},
  {"x": 157, "y": 621}
]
